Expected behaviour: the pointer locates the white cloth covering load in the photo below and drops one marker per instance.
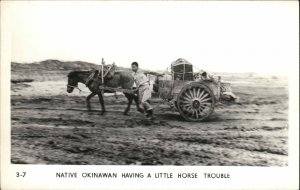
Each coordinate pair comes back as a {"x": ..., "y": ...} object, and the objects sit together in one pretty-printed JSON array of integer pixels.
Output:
[{"x": 226, "y": 91}]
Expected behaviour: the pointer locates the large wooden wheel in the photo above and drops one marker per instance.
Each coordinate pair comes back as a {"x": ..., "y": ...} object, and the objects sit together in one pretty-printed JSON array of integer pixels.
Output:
[{"x": 195, "y": 102}]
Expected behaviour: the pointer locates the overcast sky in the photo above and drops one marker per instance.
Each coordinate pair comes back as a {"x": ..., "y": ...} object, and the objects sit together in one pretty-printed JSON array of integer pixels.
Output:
[{"x": 214, "y": 36}]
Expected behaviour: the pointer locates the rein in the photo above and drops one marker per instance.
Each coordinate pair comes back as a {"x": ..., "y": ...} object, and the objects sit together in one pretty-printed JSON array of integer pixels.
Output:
[{"x": 74, "y": 87}]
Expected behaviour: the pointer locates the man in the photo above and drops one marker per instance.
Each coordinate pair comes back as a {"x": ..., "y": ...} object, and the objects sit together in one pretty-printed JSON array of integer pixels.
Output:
[{"x": 144, "y": 93}]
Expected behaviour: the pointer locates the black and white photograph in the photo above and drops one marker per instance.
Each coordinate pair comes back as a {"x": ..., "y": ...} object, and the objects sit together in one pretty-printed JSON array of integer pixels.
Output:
[{"x": 164, "y": 85}]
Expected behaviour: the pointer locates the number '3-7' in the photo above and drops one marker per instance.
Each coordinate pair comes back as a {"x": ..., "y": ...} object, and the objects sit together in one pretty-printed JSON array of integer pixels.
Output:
[{"x": 20, "y": 174}]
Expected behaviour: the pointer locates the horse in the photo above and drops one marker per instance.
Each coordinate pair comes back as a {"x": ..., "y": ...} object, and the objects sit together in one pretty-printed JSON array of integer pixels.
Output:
[{"x": 114, "y": 79}]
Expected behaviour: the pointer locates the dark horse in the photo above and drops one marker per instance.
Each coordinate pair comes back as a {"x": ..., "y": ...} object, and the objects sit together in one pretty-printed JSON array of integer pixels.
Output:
[{"x": 114, "y": 79}]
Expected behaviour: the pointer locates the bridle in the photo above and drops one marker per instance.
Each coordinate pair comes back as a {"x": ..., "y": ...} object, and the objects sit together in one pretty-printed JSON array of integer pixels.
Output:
[
  {"x": 91, "y": 76},
  {"x": 74, "y": 87}
]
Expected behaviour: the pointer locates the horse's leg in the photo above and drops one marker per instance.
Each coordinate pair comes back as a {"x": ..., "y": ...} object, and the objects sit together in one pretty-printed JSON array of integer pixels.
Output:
[
  {"x": 136, "y": 100},
  {"x": 90, "y": 96},
  {"x": 129, "y": 97},
  {"x": 100, "y": 96},
  {"x": 88, "y": 106},
  {"x": 88, "y": 103}
]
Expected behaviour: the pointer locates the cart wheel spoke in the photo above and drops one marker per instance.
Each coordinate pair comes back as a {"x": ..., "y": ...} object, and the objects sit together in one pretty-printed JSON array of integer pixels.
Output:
[
  {"x": 186, "y": 99},
  {"x": 205, "y": 100},
  {"x": 198, "y": 92},
  {"x": 201, "y": 93},
  {"x": 187, "y": 95},
  {"x": 191, "y": 93},
  {"x": 189, "y": 109},
  {"x": 203, "y": 107},
  {"x": 194, "y": 93},
  {"x": 206, "y": 103},
  {"x": 195, "y": 102},
  {"x": 204, "y": 96}
]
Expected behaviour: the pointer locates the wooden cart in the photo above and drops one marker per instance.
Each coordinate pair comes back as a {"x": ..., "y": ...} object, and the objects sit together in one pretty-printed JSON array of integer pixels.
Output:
[{"x": 194, "y": 99}]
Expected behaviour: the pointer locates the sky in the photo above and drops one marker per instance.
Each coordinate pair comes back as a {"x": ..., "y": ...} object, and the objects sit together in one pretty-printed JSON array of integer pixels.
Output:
[{"x": 259, "y": 36}]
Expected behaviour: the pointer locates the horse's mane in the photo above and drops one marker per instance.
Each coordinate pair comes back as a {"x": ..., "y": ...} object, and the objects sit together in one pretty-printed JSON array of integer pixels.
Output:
[{"x": 75, "y": 73}]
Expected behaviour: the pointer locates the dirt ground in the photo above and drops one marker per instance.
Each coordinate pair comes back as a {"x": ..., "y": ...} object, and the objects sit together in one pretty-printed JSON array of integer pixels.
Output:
[{"x": 49, "y": 126}]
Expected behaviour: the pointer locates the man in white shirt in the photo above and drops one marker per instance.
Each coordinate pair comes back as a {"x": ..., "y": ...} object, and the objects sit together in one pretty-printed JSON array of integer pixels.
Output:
[{"x": 141, "y": 82}]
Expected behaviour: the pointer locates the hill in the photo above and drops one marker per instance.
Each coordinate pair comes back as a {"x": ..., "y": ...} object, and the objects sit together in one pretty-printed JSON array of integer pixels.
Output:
[
  {"x": 49, "y": 70},
  {"x": 56, "y": 70},
  {"x": 56, "y": 65}
]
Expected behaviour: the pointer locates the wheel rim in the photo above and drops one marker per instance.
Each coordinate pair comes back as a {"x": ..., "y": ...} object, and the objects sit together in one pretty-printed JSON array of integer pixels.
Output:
[{"x": 196, "y": 102}]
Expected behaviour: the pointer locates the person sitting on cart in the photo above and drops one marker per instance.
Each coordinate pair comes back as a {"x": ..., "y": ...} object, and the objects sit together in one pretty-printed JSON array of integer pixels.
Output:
[{"x": 142, "y": 85}]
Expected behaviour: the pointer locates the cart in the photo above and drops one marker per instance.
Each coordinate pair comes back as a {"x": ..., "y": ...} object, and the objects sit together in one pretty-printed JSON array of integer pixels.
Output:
[{"x": 194, "y": 98}]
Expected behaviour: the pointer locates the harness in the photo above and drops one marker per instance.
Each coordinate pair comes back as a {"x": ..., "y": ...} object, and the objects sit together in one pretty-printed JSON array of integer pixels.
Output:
[
  {"x": 92, "y": 75},
  {"x": 90, "y": 78},
  {"x": 102, "y": 87}
]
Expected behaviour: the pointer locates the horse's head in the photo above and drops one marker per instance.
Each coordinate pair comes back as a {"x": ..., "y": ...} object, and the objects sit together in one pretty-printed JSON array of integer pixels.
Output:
[{"x": 72, "y": 81}]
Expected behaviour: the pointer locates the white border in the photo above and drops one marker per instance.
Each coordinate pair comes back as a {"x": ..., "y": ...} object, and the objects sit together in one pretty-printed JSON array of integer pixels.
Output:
[{"x": 43, "y": 177}]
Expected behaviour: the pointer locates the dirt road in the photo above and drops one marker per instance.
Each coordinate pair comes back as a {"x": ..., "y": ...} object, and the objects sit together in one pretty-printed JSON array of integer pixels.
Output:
[{"x": 49, "y": 126}]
